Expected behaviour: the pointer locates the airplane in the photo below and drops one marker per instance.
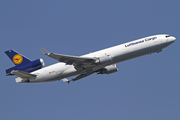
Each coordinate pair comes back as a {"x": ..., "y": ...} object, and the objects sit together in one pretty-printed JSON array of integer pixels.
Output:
[{"x": 100, "y": 62}]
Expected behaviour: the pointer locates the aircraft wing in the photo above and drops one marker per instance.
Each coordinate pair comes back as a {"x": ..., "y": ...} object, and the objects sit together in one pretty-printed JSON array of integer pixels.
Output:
[
  {"x": 77, "y": 61},
  {"x": 23, "y": 74},
  {"x": 78, "y": 77}
]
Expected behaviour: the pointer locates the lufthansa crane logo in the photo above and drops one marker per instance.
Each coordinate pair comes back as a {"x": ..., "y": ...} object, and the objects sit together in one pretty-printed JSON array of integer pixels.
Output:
[{"x": 17, "y": 59}]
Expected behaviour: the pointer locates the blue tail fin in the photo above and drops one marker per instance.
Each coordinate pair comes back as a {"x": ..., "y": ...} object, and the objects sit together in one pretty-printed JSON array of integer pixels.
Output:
[
  {"x": 17, "y": 58},
  {"x": 22, "y": 63}
]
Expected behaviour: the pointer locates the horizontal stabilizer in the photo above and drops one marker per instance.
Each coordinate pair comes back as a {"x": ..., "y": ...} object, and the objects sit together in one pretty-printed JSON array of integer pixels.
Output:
[{"x": 23, "y": 74}]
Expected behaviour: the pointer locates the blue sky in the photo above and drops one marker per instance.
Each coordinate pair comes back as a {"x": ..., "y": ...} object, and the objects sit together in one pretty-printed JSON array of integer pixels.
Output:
[{"x": 144, "y": 88}]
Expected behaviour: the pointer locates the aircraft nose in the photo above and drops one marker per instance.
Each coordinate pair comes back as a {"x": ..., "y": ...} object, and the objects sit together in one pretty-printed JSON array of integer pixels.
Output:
[{"x": 172, "y": 39}]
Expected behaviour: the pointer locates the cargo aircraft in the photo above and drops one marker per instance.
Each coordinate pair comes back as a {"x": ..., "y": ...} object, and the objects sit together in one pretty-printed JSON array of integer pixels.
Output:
[{"x": 100, "y": 62}]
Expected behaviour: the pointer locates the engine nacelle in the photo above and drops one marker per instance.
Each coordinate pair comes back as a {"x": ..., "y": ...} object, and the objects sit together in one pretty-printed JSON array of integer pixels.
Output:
[
  {"x": 29, "y": 67},
  {"x": 104, "y": 60},
  {"x": 109, "y": 69}
]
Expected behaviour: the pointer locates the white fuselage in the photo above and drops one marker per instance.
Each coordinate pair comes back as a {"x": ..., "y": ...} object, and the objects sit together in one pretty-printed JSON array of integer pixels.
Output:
[{"x": 118, "y": 53}]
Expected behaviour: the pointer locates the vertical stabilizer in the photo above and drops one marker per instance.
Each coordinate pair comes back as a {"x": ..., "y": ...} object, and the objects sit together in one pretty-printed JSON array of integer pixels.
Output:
[
  {"x": 22, "y": 63},
  {"x": 17, "y": 58}
]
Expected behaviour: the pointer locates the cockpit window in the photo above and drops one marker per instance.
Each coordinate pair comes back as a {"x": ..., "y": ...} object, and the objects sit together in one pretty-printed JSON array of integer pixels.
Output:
[{"x": 167, "y": 36}]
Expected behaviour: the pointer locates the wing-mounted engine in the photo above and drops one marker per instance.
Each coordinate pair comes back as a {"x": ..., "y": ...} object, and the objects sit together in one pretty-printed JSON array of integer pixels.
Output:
[
  {"x": 29, "y": 67},
  {"x": 108, "y": 69},
  {"x": 104, "y": 60}
]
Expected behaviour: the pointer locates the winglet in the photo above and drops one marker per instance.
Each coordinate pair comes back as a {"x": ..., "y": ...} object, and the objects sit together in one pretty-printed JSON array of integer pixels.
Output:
[{"x": 45, "y": 51}]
